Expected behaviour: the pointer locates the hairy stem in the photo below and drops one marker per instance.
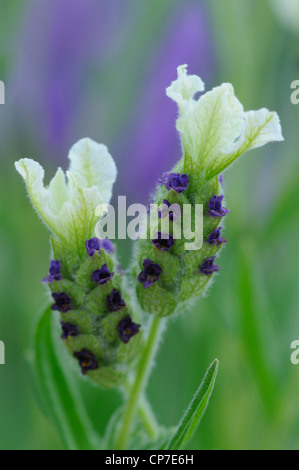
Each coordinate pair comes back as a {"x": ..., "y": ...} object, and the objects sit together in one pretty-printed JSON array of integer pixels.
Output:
[
  {"x": 139, "y": 384},
  {"x": 148, "y": 418}
]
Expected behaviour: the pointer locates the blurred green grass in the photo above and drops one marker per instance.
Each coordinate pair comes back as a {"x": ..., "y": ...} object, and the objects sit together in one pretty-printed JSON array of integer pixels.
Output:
[{"x": 250, "y": 316}]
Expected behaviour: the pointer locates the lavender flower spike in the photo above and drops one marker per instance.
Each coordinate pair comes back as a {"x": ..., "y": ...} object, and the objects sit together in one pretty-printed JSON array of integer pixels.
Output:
[
  {"x": 54, "y": 272},
  {"x": 215, "y": 207},
  {"x": 150, "y": 274}
]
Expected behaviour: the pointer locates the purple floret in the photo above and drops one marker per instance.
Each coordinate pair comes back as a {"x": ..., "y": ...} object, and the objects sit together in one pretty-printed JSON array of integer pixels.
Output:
[
  {"x": 103, "y": 275},
  {"x": 114, "y": 301},
  {"x": 163, "y": 244},
  {"x": 126, "y": 329},
  {"x": 150, "y": 273},
  {"x": 87, "y": 360},
  {"x": 54, "y": 272},
  {"x": 215, "y": 207},
  {"x": 62, "y": 302},
  {"x": 208, "y": 267},
  {"x": 215, "y": 237},
  {"x": 177, "y": 181},
  {"x": 68, "y": 330}
]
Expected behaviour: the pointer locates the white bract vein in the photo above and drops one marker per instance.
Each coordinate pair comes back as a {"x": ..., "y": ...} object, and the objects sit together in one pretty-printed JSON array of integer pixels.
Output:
[
  {"x": 215, "y": 130},
  {"x": 68, "y": 205}
]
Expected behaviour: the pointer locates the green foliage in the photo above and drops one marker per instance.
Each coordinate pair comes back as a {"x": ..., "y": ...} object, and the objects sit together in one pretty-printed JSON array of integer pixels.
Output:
[{"x": 195, "y": 411}]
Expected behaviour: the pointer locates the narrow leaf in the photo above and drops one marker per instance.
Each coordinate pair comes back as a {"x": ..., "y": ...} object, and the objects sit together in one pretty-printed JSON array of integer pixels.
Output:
[{"x": 195, "y": 411}]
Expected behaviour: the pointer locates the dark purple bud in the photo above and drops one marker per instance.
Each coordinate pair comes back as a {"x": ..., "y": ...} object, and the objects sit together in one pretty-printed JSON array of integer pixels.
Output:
[
  {"x": 93, "y": 245},
  {"x": 208, "y": 267},
  {"x": 62, "y": 302},
  {"x": 126, "y": 329},
  {"x": 163, "y": 244},
  {"x": 68, "y": 330},
  {"x": 107, "y": 245},
  {"x": 215, "y": 207},
  {"x": 215, "y": 237},
  {"x": 54, "y": 272},
  {"x": 86, "y": 360},
  {"x": 103, "y": 275},
  {"x": 177, "y": 181},
  {"x": 114, "y": 301},
  {"x": 150, "y": 274}
]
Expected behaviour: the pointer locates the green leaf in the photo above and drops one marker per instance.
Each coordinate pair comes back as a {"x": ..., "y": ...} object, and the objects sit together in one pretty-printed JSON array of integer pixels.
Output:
[
  {"x": 55, "y": 384},
  {"x": 195, "y": 411}
]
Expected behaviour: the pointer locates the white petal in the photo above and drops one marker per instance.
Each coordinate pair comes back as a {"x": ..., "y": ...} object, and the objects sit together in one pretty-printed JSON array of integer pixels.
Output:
[
  {"x": 92, "y": 162},
  {"x": 260, "y": 127},
  {"x": 33, "y": 175},
  {"x": 213, "y": 124},
  {"x": 184, "y": 88},
  {"x": 78, "y": 214},
  {"x": 215, "y": 130},
  {"x": 58, "y": 191}
]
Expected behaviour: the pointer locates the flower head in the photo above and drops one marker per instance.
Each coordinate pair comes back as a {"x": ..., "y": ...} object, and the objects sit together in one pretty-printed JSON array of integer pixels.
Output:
[
  {"x": 68, "y": 330},
  {"x": 163, "y": 242},
  {"x": 215, "y": 237},
  {"x": 68, "y": 207},
  {"x": 87, "y": 360},
  {"x": 114, "y": 301},
  {"x": 208, "y": 267},
  {"x": 62, "y": 302},
  {"x": 215, "y": 207},
  {"x": 126, "y": 329},
  {"x": 54, "y": 272},
  {"x": 150, "y": 273},
  {"x": 177, "y": 181},
  {"x": 215, "y": 130},
  {"x": 103, "y": 275}
]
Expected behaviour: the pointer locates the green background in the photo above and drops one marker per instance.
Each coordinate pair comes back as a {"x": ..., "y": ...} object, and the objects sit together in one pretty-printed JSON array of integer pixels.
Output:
[{"x": 250, "y": 316}]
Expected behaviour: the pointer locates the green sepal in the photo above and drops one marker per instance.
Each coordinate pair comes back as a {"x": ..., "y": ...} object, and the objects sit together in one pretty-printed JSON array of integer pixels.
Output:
[
  {"x": 110, "y": 322},
  {"x": 89, "y": 265},
  {"x": 75, "y": 292},
  {"x": 108, "y": 377},
  {"x": 156, "y": 300},
  {"x": 81, "y": 318}
]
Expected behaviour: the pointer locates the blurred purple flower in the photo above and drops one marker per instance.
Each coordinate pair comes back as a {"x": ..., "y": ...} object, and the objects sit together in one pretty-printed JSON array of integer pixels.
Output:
[
  {"x": 60, "y": 42},
  {"x": 154, "y": 146},
  {"x": 84, "y": 68}
]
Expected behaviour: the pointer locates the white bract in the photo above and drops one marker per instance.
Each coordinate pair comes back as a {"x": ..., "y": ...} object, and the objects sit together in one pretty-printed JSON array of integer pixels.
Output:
[
  {"x": 215, "y": 130},
  {"x": 68, "y": 204}
]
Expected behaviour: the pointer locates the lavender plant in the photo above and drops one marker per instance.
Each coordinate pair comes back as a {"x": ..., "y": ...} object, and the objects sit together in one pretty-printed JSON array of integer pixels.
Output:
[{"x": 104, "y": 317}]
